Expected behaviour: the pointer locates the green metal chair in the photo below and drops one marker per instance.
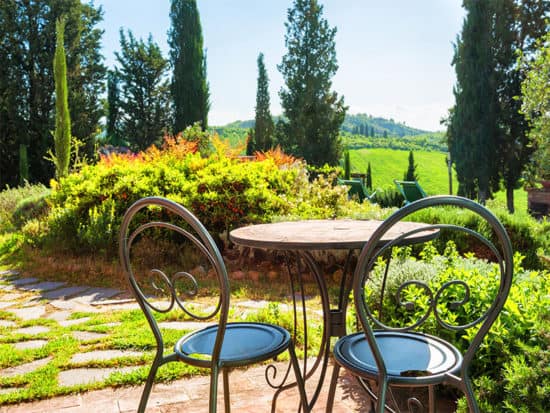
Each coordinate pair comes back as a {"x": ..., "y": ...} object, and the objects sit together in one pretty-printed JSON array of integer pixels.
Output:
[
  {"x": 357, "y": 189},
  {"x": 411, "y": 190},
  {"x": 167, "y": 255},
  {"x": 394, "y": 298}
]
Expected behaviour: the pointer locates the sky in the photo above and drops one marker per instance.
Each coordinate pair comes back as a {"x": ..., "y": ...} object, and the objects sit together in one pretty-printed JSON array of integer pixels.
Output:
[{"x": 394, "y": 56}]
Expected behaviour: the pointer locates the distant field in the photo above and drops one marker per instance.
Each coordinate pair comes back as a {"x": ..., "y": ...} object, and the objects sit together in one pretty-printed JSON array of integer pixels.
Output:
[{"x": 390, "y": 164}]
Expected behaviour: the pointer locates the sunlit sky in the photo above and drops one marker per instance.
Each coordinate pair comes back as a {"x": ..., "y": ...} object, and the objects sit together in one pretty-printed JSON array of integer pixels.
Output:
[{"x": 394, "y": 56}]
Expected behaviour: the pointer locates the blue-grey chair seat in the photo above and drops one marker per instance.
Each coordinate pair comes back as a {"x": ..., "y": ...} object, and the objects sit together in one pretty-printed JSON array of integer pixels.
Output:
[
  {"x": 243, "y": 344},
  {"x": 409, "y": 357}
]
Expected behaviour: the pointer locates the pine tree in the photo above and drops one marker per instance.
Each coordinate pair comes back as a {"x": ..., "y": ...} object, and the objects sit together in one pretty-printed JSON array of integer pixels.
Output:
[
  {"x": 411, "y": 175},
  {"x": 144, "y": 91},
  {"x": 189, "y": 88},
  {"x": 314, "y": 112},
  {"x": 264, "y": 126},
  {"x": 347, "y": 165},
  {"x": 62, "y": 132},
  {"x": 112, "y": 126}
]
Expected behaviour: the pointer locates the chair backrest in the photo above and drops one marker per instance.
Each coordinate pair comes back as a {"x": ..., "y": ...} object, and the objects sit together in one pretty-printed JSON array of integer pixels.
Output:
[
  {"x": 356, "y": 187},
  {"x": 169, "y": 258},
  {"x": 411, "y": 190},
  {"x": 438, "y": 288}
]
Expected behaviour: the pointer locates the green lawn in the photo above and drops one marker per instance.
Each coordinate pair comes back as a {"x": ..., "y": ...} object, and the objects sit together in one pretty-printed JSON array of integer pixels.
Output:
[{"x": 390, "y": 164}]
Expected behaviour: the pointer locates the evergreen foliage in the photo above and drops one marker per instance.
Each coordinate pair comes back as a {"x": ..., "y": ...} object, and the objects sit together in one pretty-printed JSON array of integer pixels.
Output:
[
  {"x": 189, "y": 88},
  {"x": 488, "y": 136},
  {"x": 62, "y": 132},
  {"x": 144, "y": 91},
  {"x": 27, "y": 105},
  {"x": 472, "y": 136},
  {"x": 314, "y": 112},
  {"x": 411, "y": 174},
  {"x": 264, "y": 126},
  {"x": 112, "y": 127},
  {"x": 347, "y": 165},
  {"x": 369, "y": 178}
]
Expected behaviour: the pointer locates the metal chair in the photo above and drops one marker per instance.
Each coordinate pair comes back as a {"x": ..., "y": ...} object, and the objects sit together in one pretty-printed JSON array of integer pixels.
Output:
[
  {"x": 156, "y": 228},
  {"x": 357, "y": 189},
  {"x": 411, "y": 190},
  {"x": 396, "y": 303}
]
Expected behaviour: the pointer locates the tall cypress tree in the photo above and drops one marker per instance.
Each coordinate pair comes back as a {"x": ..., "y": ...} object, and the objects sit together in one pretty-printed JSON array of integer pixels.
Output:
[
  {"x": 472, "y": 135},
  {"x": 314, "y": 112},
  {"x": 62, "y": 133},
  {"x": 189, "y": 88},
  {"x": 410, "y": 174},
  {"x": 264, "y": 127}
]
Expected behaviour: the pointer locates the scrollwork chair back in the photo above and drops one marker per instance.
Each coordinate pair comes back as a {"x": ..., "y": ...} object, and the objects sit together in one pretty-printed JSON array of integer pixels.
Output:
[
  {"x": 169, "y": 258},
  {"x": 411, "y": 312}
]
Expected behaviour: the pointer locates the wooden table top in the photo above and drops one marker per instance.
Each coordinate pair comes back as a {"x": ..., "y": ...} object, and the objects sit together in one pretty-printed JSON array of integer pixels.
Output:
[{"x": 321, "y": 234}]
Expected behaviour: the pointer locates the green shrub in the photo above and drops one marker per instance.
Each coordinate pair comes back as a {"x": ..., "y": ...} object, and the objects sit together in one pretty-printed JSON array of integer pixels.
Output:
[
  {"x": 32, "y": 207},
  {"x": 511, "y": 369},
  {"x": 388, "y": 197},
  {"x": 10, "y": 198}
]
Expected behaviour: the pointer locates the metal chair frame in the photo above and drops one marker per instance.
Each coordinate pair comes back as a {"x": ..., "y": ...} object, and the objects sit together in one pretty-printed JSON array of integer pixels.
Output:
[
  {"x": 202, "y": 240},
  {"x": 373, "y": 330}
]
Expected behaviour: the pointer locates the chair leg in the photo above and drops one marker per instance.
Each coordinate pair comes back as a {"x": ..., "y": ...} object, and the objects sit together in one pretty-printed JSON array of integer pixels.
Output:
[
  {"x": 299, "y": 378},
  {"x": 213, "y": 401},
  {"x": 431, "y": 399},
  {"x": 470, "y": 397},
  {"x": 332, "y": 388},
  {"x": 226, "y": 400},
  {"x": 148, "y": 386},
  {"x": 382, "y": 392}
]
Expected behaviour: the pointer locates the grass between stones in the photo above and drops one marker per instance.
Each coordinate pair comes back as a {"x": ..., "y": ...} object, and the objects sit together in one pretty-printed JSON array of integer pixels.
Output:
[{"x": 118, "y": 344}]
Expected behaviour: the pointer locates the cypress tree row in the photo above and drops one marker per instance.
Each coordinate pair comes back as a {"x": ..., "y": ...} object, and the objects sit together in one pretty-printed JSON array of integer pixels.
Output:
[
  {"x": 62, "y": 133},
  {"x": 189, "y": 88},
  {"x": 264, "y": 127}
]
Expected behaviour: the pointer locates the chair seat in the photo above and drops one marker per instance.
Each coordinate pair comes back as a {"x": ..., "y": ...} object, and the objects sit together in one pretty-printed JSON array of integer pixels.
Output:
[
  {"x": 243, "y": 343},
  {"x": 410, "y": 358}
]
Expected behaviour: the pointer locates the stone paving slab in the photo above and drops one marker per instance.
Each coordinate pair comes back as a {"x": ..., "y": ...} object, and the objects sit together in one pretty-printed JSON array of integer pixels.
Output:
[
  {"x": 29, "y": 313},
  {"x": 25, "y": 368},
  {"x": 43, "y": 286},
  {"x": 23, "y": 281},
  {"x": 75, "y": 377},
  {"x": 93, "y": 295},
  {"x": 103, "y": 355},
  {"x": 87, "y": 335},
  {"x": 7, "y": 323},
  {"x": 66, "y": 292},
  {"x": 7, "y": 274},
  {"x": 11, "y": 297},
  {"x": 30, "y": 345},
  {"x": 59, "y": 315},
  {"x": 32, "y": 330},
  {"x": 6, "y": 304}
]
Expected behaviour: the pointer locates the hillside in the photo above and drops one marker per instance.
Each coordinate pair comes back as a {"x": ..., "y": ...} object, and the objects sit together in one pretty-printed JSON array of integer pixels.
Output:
[{"x": 360, "y": 124}]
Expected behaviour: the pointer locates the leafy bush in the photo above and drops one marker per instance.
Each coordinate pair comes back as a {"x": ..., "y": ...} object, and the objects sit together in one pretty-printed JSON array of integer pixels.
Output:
[
  {"x": 388, "y": 197},
  {"x": 511, "y": 368},
  {"x": 221, "y": 190},
  {"x": 11, "y": 197},
  {"x": 32, "y": 207}
]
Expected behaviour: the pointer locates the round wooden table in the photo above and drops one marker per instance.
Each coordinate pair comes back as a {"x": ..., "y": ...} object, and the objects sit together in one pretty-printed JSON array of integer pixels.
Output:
[{"x": 303, "y": 237}]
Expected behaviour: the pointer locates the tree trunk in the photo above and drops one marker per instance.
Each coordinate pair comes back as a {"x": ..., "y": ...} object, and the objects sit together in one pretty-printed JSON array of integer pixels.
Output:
[{"x": 510, "y": 199}]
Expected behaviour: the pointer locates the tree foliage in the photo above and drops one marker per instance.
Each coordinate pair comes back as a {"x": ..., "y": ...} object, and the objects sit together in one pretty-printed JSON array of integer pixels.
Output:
[
  {"x": 488, "y": 137},
  {"x": 189, "y": 88},
  {"x": 410, "y": 174},
  {"x": 536, "y": 107},
  {"x": 144, "y": 91},
  {"x": 263, "y": 126},
  {"x": 27, "y": 106},
  {"x": 314, "y": 112},
  {"x": 112, "y": 127},
  {"x": 62, "y": 132}
]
